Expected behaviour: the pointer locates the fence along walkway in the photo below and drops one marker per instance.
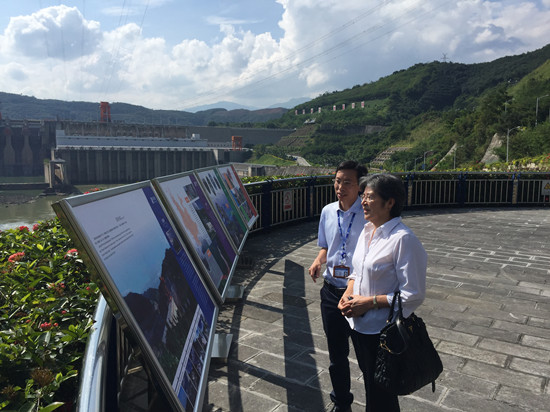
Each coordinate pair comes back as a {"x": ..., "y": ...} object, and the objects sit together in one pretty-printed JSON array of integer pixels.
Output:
[{"x": 285, "y": 200}]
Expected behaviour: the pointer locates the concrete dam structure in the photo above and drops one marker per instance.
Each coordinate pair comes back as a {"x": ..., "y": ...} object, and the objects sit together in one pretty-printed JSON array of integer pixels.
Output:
[
  {"x": 69, "y": 152},
  {"x": 24, "y": 145}
]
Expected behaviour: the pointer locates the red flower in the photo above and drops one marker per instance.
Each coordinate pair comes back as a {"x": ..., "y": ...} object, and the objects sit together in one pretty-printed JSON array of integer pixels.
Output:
[
  {"x": 23, "y": 228},
  {"x": 45, "y": 325},
  {"x": 35, "y": 227},
  {"x": 16, "y": 257},
  {"x": 71, "y": 253}
]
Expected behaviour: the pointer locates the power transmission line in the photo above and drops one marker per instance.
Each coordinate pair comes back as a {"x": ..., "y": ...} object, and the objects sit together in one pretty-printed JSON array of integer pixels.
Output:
[
  {"x": 292, "y": 54},
  {"x": 331, "y": 50},
  {"x": 122, "y": 20}
]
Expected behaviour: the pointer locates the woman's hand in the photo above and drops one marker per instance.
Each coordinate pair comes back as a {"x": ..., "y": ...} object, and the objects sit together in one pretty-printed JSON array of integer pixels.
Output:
[
  {"x": 346, "y": 300},
  {"x": 345, "y": 305},
  {"x": 353, "y": 305}
]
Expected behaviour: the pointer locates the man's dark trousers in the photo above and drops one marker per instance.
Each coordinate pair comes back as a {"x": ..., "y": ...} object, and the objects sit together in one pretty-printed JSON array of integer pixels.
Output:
[{"x": 337, "y": 331}]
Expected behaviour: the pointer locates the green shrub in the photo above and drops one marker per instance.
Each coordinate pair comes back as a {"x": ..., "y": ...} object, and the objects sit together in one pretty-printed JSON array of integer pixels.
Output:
[{"x": 47, "y": 302}]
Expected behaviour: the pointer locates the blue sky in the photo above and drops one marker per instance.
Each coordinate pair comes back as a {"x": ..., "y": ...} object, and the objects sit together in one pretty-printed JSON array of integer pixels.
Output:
[
  {"x": 172, "y": 20},
  {"x": 174, "y": 54},
  {"x": 136, "y": 264}
]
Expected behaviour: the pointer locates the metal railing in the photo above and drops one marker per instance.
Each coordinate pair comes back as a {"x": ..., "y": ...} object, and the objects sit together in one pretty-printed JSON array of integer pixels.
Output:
[
  {"x": 287, "y": 200},
  {"x": 95, "y": 394}
]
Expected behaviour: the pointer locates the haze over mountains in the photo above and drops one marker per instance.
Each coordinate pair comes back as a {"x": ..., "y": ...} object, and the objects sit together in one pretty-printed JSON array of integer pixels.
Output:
[{"x": 289, "y": 104}]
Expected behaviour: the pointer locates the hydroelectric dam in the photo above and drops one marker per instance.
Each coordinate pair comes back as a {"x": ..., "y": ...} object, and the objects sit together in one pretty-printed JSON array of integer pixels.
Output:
[{"x": 75, "y": 152}]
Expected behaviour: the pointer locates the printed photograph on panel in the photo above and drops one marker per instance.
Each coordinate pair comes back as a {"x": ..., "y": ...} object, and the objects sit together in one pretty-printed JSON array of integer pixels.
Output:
[
  {"x": 225, "y": 207},
  {"x": 238, "y": 193},
  {"x": 201, "y": 227}
]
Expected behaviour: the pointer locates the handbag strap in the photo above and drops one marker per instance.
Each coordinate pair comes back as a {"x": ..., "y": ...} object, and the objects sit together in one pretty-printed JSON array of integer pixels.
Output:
[
  {"x": 399, "y": 321},
  {"x": 392, "y": 306}
]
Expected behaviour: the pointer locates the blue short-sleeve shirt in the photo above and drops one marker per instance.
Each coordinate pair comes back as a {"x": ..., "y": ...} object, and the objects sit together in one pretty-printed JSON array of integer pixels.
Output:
[{"x": 329, "y": 237}]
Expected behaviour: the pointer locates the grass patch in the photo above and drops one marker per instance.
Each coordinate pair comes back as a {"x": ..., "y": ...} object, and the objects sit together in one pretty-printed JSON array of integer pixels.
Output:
[{"x": 271, "y": 160}]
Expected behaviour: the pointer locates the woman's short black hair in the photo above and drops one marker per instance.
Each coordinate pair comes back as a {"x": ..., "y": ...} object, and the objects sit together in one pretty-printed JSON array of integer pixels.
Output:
[{"x": 386, "y": 186}]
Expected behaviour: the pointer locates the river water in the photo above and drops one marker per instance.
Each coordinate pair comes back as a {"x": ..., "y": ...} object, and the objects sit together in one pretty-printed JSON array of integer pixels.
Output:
[
  {"x": 29, "y": 213},
  {"x": 34, "y": 211}
]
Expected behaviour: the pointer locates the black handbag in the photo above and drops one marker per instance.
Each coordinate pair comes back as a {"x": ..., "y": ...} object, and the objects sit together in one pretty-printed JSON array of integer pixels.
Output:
[{"x": 406, "y": 359}]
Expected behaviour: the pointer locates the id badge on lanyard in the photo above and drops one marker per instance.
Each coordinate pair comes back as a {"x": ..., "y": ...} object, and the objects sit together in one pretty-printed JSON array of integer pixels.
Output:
[{"x": 340, "y": 272}]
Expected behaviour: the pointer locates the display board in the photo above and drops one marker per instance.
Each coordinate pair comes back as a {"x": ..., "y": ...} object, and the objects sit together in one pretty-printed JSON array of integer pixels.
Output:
[
  {"x": 223, "y": 205},
  {"x": 148, "y": 278},
  {"x": 239, "y": 194},
  {"x": 198, "y": 224}
]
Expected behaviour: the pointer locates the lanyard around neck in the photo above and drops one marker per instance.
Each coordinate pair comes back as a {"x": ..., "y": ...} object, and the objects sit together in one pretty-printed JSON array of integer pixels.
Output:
[{"x": 342, "y": 237}]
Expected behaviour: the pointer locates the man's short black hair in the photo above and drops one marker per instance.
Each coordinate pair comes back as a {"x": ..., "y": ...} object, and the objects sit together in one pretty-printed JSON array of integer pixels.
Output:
[{"x": 353, "y": 165}]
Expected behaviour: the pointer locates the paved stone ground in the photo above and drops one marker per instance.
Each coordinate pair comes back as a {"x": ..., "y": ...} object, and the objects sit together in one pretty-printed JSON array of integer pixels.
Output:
[{"x": 487, "y": 310}]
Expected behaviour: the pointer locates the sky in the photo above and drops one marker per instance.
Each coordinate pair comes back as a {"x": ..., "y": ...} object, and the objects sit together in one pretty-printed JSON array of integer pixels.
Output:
[{"x": 180, "y": 54}]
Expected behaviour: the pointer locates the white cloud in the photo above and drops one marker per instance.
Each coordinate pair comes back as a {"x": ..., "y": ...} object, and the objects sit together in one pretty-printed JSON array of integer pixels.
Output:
[
  {"x": 58, "y": 32},
  {"x": 330, "y": 45},
  {"x": 15, "y": 71},
  {"x": 314, "y": 77}
]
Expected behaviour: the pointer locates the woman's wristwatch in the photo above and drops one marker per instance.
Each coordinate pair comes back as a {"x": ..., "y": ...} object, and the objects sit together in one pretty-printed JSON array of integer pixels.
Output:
[{"x": 374, "y": 302}]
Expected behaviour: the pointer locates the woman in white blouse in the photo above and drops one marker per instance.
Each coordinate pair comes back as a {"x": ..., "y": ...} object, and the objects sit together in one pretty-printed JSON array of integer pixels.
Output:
[{"x": 388, "y": 257}]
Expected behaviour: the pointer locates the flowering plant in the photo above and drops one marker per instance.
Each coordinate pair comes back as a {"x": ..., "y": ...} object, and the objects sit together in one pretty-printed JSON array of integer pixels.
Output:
[{"x": 47, "y": 303}]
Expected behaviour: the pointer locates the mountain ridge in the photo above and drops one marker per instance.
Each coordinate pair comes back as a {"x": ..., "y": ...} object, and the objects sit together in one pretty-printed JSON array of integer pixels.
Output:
[{"x": 15, "y": 106}]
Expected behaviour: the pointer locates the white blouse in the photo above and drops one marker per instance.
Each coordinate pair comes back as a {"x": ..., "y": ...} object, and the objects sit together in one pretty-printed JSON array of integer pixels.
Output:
[{"x": 394, "y": 260}]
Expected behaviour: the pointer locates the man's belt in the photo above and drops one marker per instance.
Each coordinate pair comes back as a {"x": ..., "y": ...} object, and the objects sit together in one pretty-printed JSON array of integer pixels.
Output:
[{"x": 334, "y": 290}]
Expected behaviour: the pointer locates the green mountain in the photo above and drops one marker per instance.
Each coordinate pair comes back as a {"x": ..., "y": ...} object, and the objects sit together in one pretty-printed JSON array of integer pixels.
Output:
[{"x": 427, "y": 110}]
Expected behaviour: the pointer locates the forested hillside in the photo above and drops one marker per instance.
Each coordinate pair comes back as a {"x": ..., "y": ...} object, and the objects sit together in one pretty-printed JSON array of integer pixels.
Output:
[{"x": 430, "y": 108}]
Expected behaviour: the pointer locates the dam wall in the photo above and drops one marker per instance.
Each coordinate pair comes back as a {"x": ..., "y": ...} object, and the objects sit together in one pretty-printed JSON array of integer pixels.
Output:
[{"x": 26, "y": 145}]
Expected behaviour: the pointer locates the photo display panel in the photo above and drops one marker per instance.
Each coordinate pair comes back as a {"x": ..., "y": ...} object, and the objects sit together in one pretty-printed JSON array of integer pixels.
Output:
[
  {"x": 239, "y": 194},
  {"x": 200, "y": 226},
  {"x": 154, "y": 285},
  {"x": 224, "y": 206}
]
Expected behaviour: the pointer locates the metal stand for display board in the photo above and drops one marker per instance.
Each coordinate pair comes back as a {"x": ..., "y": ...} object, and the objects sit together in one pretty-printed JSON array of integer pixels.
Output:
[
  {"x": 221, "y": 345},
  {"x": 234, "y": 292}
]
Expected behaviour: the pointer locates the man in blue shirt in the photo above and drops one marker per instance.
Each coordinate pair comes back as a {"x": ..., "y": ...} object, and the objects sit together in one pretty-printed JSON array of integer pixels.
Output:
[{"x": 340, "y": 224}]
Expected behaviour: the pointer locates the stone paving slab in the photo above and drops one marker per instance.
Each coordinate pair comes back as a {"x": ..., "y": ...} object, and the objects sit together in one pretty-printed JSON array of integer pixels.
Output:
[{"x": 487, "y": 310}]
